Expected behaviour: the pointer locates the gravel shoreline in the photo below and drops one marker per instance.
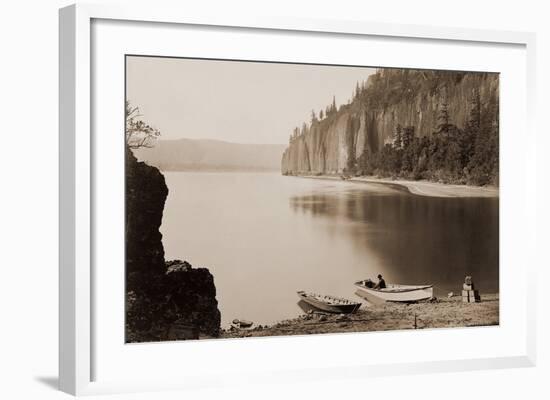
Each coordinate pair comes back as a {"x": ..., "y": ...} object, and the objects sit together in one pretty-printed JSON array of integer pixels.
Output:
[
  {"x": 440, "y": 313},
  {"x": 420, "y": 188}
]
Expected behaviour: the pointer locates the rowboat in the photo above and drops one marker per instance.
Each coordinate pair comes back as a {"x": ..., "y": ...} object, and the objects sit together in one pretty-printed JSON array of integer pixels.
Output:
[
  {"x": 394, "y": 292},
  {"x": 329, "y": 304},
  {"x": 241, "y": 324}
]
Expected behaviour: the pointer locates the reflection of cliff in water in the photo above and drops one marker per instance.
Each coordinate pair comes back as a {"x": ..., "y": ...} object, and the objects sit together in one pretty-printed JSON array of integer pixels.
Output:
[{"x": 418, "y": 239}]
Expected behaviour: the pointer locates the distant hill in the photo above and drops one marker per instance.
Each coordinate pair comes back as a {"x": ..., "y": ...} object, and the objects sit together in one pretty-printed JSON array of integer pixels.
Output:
[{"x": 212, "y": 155}]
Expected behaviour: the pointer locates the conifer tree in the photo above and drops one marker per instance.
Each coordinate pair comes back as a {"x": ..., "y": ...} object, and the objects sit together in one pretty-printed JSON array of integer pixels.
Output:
[
  {"x": 408, "y": 148},
  {"x": 398, "y": 138},
  {"x": 443, "y": 119},
  {"x": 444, "y": 125},
  {"x": 471, "y": 130}
]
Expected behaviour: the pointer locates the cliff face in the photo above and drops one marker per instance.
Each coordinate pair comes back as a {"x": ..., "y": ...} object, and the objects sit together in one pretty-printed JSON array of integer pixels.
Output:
[
  {"x": 146, "y": 193},
  {"x": 159, "y": 293},
  {"x": 391, "y": 98}
]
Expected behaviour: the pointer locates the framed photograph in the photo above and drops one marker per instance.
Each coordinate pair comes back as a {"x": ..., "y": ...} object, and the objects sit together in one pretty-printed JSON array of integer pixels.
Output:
[{"x": 328, "y": 198}]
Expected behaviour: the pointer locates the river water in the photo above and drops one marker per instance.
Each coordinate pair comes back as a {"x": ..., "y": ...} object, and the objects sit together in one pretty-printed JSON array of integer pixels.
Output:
[{"x": 264, "y": 236}]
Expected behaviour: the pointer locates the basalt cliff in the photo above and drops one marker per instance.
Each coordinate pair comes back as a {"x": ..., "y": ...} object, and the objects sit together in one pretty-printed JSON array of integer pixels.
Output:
[
  {"x": 160, "y": 294},
  {"x": 341, "y": 140}
]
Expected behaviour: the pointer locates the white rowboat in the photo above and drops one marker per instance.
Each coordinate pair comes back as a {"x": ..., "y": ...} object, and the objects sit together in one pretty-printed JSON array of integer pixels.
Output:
[{"x": 395, "y": 293}]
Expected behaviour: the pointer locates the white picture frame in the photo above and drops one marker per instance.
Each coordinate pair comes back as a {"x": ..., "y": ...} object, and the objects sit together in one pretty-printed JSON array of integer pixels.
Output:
[{"x": 77, "y": 345}]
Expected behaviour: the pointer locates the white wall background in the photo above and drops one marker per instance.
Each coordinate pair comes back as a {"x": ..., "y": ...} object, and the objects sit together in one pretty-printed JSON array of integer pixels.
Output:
[{"x": 29, "y": 213}]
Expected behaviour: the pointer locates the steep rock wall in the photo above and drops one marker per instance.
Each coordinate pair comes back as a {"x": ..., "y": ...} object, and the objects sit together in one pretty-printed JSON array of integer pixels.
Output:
[
  {"x": 146, "y": 193},
  {"x": 336, "y": 142},
  {"x": 159, "y": 292}
]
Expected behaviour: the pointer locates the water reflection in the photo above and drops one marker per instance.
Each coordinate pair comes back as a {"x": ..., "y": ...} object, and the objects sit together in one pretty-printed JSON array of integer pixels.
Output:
[
  {"x": 417, "y": 239},
  {"x": 265, "y": 236}
]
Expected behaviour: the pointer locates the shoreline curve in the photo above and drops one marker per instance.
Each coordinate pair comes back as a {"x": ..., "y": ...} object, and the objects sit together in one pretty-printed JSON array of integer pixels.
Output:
[{"x": 419, "y": 188}]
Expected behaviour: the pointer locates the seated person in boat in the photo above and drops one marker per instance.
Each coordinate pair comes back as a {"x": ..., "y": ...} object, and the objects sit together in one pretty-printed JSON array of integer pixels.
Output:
[
  {"x": 381, "y": 283},
  {"x": 368, "y": 283}
]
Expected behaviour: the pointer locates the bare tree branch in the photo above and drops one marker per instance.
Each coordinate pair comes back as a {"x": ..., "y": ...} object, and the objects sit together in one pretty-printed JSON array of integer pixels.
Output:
[{"x": 138, "y": 133}]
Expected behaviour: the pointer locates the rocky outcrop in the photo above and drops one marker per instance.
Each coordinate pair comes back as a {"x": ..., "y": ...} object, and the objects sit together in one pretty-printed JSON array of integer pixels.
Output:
[
  {"x": 146, "y": 193},
  {"x": 390, "y": 98},
  {"x": 160, "y": 293},
  {"x": 192, "y": 297}
]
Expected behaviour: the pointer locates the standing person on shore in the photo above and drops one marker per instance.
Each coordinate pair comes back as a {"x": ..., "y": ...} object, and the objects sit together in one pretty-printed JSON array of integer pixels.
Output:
[{"x": 381, "y": 283}]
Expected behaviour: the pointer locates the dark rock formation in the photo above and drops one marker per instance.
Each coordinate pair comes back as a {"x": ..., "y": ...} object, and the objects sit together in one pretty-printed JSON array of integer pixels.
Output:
[
  {"x": 192, "y": 297},
  {"x": 146, "y": 193},
  {"x": 160, "y": 293},
  {"x": 391, "y": 98}
]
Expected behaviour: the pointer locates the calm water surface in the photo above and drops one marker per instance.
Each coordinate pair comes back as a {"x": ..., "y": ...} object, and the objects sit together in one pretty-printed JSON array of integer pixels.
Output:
[{"x": 265, "y": 236}]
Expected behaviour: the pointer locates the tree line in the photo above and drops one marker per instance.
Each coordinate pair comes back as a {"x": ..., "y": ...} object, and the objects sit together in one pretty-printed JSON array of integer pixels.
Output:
[
  {"x": 450, "y": 155},
  {"x": 329, "y": 111}
]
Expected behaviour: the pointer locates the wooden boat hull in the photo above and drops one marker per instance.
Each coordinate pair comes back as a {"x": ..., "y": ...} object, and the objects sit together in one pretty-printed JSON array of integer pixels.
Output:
[
  {"x": 241, "y": 323},
  {"x": 349, "y": 308},
  {"x": 395, "y": 293}
]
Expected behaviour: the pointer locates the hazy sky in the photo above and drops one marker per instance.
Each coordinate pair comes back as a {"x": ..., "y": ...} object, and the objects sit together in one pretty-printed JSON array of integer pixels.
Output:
[{"x": 243, "y": 102}]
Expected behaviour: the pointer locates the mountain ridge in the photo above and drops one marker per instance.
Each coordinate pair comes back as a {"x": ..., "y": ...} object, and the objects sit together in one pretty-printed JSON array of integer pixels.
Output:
[{"x": 186, "y": 154}]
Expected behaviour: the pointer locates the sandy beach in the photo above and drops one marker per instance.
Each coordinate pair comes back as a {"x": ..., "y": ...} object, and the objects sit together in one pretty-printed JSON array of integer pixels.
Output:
[
  {"x": 439, "y": 313},
  {"x": 422, "y": 188}
]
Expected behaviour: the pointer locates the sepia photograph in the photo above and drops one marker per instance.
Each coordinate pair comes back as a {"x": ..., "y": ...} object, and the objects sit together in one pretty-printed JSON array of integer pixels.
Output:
[{"x": 274, "y": 199}]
